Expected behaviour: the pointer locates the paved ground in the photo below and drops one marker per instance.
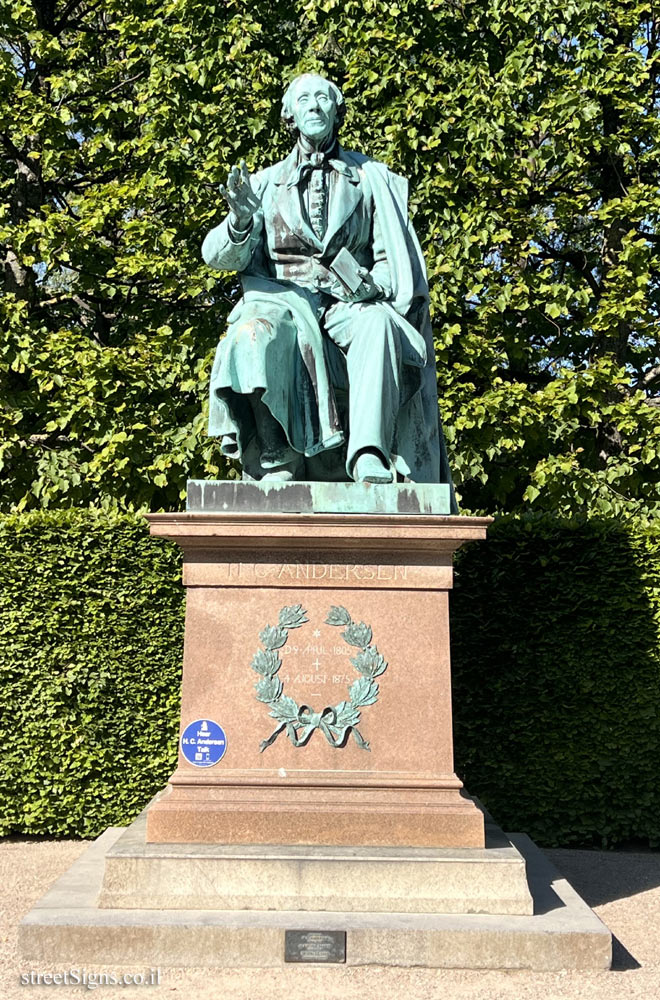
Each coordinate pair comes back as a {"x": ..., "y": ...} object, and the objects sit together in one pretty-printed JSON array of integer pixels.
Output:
[{"x": 623, "y": 888}]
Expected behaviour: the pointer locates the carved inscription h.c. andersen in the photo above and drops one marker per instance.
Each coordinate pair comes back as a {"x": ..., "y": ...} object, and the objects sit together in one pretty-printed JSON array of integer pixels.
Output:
[
  {"x": 271, "y": 570},
  {"x": 337, "y": 572}
]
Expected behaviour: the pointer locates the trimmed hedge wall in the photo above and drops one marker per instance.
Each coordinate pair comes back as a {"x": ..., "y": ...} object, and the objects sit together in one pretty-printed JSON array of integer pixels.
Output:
[
  {"x": 556, "y": 647},
  {"x": 91, "y": 639}
]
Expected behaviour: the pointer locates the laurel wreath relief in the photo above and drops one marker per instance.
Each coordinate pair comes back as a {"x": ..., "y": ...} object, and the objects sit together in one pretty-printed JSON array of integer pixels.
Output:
[{"x": 299, "y": 721}]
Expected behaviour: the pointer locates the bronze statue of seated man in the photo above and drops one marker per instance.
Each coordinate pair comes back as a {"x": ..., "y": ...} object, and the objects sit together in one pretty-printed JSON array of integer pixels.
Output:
[{"x": 327, "y": 369}]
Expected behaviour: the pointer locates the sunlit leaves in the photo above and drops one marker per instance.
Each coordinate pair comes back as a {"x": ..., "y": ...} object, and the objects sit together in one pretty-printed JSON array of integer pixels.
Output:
[{"x": 530, "y": 135}]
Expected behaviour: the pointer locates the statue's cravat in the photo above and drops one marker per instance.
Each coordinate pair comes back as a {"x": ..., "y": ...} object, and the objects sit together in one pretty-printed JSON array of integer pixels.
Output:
[
  {"x": 314, "y": 168},
  {"x": 318, "y": 194}
]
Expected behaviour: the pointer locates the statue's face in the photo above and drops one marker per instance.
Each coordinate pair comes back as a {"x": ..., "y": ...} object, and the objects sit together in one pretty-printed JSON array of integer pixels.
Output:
[{"x": 314, "y": 108}]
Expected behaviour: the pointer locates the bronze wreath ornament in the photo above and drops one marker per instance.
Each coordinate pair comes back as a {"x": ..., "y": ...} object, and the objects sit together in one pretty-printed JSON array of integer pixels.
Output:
[{"x": 300, "y": 721}]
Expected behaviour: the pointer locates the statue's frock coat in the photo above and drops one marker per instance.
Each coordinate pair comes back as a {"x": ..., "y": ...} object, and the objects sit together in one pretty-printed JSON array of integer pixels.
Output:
[{"x": 291, "y": 340}]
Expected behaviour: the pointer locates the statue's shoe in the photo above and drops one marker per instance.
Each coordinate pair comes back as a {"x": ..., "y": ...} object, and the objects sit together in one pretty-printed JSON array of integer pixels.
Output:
[
  {"x": 370, "y": 468},
  {"x": 284, "y": 473}
]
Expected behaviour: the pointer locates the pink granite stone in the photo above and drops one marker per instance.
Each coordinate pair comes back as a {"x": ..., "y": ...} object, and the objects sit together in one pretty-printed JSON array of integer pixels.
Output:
[{"x": 392, "y": 572}]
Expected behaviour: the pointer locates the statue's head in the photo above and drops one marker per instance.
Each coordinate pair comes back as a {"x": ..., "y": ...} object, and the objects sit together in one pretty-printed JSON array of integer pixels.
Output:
[{"x": 314, "y": 107}]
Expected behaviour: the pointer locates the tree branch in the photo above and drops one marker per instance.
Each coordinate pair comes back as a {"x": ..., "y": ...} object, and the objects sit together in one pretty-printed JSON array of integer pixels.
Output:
[
  {"x": 68, "y": 10},
  {"x": 652, "y": 375},
  {"x": 123, "y": 83},
  {"x": 577, "y": 260}
]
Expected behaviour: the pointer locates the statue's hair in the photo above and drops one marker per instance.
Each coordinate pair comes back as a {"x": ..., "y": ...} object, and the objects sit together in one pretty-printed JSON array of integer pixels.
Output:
[{"x": 287, "y": 101}]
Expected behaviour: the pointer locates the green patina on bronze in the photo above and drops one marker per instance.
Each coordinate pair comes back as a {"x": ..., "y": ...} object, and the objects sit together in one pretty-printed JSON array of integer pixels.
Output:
[
  {"x": 299, "y": 721},
  {"x": 327, "y": 370},
  {"x": 229, "y": 495}
]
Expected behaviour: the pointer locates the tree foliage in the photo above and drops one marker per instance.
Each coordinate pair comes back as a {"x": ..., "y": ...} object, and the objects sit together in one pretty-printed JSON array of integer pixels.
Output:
[{"x": 529, "y": 131}]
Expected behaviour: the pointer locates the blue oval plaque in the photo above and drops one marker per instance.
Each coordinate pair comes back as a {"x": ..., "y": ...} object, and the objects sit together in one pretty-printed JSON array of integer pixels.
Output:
[{"x": 203, "y": 743}]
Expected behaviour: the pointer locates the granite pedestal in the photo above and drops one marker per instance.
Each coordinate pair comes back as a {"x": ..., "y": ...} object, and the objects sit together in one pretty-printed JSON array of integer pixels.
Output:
[{"x": 248, "y": 555}]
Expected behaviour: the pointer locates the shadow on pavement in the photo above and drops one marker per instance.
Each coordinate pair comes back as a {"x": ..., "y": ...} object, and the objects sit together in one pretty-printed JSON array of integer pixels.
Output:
[
  {"x": 622, "y": 960},
  {"x": 603, "y": 876}
]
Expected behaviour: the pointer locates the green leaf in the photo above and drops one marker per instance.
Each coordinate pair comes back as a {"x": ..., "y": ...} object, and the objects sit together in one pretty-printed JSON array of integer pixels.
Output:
[
  {"x": 338, "y": 616},
  {"x": 266, "y": 662},
  {"x": 357, "y": 634},
  {"x": 285, "y": 710},
  {"x": 363, "y": 691},
  {"x": 292, "y": 617},
  {"x": 369, "y": 662},
  {"x": 268, "y": 689},
  {"x": 347, "y": 714},
  {"x": 273, "y": 637}
]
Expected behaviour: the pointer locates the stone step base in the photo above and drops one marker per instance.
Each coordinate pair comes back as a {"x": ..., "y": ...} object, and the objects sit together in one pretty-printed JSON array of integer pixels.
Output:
[
  {"x": 67, "y": 926},
  {"x": 141, "y": 875}
]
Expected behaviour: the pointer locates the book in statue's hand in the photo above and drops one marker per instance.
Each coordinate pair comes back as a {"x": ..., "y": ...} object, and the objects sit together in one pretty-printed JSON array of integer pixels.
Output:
[{"x": 347, "y": 270}]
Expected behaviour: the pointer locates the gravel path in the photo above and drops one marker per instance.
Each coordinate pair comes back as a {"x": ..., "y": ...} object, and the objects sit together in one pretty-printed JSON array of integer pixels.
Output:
[{"x": 623, "y": 888}]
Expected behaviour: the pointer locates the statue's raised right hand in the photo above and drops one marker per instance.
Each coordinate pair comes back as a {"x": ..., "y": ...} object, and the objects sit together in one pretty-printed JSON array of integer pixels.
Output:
[{"x": 240, "y": 197}]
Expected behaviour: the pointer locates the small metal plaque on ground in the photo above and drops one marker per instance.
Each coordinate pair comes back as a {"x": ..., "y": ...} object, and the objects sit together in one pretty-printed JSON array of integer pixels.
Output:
[{"x": 315, "y": 946}]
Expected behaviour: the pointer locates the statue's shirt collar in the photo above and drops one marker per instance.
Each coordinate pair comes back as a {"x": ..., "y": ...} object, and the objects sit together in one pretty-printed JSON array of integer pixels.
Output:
[
  {"x": 308, "y": 151},
  {"x": 297, "y": 164}
]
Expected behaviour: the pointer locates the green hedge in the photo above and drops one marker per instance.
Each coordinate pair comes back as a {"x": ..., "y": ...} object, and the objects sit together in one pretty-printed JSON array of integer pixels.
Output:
[
  {"x": 556, "y": 649},
  {"x": 91, "y": 638}
]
